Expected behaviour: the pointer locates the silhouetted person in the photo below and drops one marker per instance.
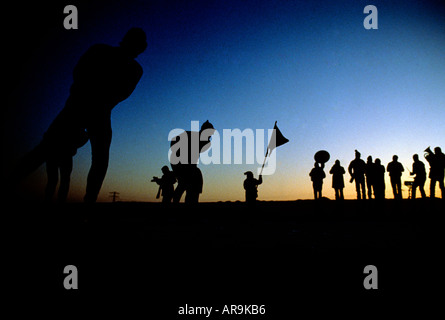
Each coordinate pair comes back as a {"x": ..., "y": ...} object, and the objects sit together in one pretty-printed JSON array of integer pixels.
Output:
[
  {"x": 185, "y": 165},
  {"x": 103, "y": 77},
  {"x": 338, "y": 182},
  {"x": 166, "y": 185},
  {"x": 370, "y": 176},
  {"x": 437, "y": 167},
  {"x": 379, "y": 179},
  {"x": 420, "y": 178},
  {"x": 357, "y": 171},
  {"x": 251, "y": 187},
  {"x": 317, "y": 175},
  {"x": 395, "y": 170},
  {"x": 59, "y": 157},
  {"x": 194, "y": 186}
]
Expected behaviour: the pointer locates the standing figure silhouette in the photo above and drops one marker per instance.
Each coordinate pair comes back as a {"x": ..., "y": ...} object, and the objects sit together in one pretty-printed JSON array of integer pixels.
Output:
[
  {"x": 103, "y": 77},
  {"x": 379, "y": 180},
  {"x": 370, "y": 176},
  {"x": 420, "y": 178},
  {"x": 166, "y": 185},
  {"x": 251, "y": 187},
  {"x": 338, "y": 182},
  {"x": 437, "y": 167},
  {"x": 185, "y": 150},
  {"x": 357, "y": 169},
  {"x": 60, "y": 159},
  {"x": 317, "y": 175},
  {"x": 395, "y": 170}
]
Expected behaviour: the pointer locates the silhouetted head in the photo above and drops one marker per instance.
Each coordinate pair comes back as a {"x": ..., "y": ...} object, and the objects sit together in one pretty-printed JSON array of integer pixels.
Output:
[
  {"x": 395, "y": 158},
  {"x": 165, "y": 170},
  {"x": 207, "y": 125},
  {"x": 416, "y": 157},
  {"x": 134, "y": 42},
  {"x": 207, "y": 129},
  {"x": 377, "y": 161},
  {"x": 437, "y": 150},
  {"x": 357, "y": 154},
  {"x": 337, "y": 162},
  {"x": 369, "y": 159},
  {"x": 249, "y": 174}
]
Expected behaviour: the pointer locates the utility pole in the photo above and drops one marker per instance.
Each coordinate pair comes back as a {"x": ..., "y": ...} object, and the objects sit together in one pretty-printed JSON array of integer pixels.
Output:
[{"x": 114, "y": 195}]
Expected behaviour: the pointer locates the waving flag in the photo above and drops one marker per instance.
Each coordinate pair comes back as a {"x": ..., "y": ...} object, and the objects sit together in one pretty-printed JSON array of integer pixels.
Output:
[{"x": 277, "y": 139}]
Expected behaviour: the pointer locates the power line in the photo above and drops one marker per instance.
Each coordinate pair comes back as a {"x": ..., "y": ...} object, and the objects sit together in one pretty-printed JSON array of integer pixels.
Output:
[{"x": 114, "y": 195}]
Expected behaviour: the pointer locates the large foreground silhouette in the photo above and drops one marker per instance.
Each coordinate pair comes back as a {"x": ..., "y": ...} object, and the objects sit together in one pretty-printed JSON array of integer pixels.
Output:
[{"x": 103, "y": 77}]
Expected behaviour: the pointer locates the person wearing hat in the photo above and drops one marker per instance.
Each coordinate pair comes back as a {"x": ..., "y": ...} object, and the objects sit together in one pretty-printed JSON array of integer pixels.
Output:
[{"x": 251, "y": 185}]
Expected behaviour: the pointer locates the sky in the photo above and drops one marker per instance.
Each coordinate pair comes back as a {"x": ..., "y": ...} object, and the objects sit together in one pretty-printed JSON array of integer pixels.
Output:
[{"x": 311, "y": 66}]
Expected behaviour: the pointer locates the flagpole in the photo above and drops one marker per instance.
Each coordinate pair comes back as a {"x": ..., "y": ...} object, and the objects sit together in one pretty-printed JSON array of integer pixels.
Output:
[
  {"x": 273, "y": 139},
  {"x": 267, "y": 152},
  {"x": 264, "y": 162}
]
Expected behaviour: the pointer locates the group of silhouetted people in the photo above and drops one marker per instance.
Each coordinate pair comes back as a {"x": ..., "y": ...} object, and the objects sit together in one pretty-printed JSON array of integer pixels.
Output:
[
  {"x": 106, "y": 75},
  {"x": 369, "y": 176},
  {"x": 186, "y": 172},
  {"x": 184, "y": 166}
]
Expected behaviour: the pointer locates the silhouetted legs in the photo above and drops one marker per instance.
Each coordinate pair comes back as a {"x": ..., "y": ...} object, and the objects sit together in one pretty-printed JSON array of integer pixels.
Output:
[
  {"x": 65, "y": 176},
  {"x": 339, "y": 194},
  {"x": 379, "y": 190},
  {"x": 167, "y": 199},
  {"x": 369, "y": 187},
  {"x": 52, "y": 173},
  {"x": 100, "y": 139},
  {"x": 396, "y": 184},
  {"x": 317, "y": 190},
  {"x": 179, "y": 191},
  {"x": 191, "y": 197},
  {"x": 360, "y": 183},
  {"x": 433, "y": 187},
  {"x": 419, "y": 184},
  {"x": 52, "y": 169}
]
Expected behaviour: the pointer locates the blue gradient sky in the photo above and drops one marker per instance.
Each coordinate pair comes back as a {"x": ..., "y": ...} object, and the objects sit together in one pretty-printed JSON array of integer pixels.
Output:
[{"x": 310, "y": 65}]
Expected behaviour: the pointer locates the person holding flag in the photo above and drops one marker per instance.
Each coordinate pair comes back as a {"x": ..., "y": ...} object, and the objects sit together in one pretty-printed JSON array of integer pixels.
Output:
[{"x": 251, "y": 187}]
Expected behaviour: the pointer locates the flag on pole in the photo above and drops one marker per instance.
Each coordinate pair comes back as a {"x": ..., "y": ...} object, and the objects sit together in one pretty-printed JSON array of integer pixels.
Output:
[{"x": 277, "y": 139}]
